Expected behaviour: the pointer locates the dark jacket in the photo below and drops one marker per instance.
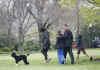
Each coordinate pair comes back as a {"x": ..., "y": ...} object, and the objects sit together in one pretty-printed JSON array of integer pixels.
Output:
[
  {"x": 45, "y": 42},
  {"x": 79, "y": 43},
  {"x": 59, "y": 42},
  {"x": 68, "y": 38}
]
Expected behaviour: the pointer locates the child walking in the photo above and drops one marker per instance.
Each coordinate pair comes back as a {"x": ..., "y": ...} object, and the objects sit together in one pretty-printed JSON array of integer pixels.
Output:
[
  {"x": 80, "y": 47},
  {"x": 59, "y": 47}
]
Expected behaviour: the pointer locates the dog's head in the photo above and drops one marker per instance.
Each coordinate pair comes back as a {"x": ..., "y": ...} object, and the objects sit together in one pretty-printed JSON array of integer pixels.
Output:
[{"x": 13, "y": 54}]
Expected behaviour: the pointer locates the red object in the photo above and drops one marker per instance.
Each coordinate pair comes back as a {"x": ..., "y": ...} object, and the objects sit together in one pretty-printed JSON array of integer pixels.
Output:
[{"x": 74, "y": 45}]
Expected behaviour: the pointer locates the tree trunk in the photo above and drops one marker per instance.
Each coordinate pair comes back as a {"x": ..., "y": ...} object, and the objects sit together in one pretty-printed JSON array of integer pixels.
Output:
[
  {"x": 9, "y": 34},
  {"x": 21, "y": 37},
  {"x": 77, "y": 17}
]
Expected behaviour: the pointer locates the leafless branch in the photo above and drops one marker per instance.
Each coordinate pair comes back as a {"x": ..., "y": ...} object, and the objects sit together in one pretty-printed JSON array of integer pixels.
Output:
[
  {"x": 46, "y": 22},
  {"x": 32, "y": 14}
]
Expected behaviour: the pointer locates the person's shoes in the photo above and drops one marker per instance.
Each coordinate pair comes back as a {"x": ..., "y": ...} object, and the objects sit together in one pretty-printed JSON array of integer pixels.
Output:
[
  {"x": 77, "y": 61},
  {"x": 64, "y": 61},
  {"x": 72, "y": 62},
  {"x": 47, "y": 61}
]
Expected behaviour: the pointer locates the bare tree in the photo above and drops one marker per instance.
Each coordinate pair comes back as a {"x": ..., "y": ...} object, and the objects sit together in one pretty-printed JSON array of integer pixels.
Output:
[
  {"x": 10, "y": 17},
  {"x": 44, "y": 16},
  {"x": 20, "y": 14},
  {"x": 77, "y": 11},
  {"x": 43, "y": 12}
]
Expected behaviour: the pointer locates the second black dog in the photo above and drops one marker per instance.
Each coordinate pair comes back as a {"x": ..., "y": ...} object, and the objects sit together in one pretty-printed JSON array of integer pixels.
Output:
[
  {"x": 19, "y": 58},
  {"x": 94, "y": 59},
  {"x": 91, "y": 58}
]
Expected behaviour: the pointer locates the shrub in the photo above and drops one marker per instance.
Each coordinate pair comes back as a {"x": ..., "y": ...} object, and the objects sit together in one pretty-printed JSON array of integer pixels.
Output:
[{"x": 5, "y": 49}]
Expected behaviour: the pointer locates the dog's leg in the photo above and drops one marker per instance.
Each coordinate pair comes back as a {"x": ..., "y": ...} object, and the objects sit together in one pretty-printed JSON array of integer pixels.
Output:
[
  {"x": 17, "y": 62},
  {"x": 25, "y": 60}
]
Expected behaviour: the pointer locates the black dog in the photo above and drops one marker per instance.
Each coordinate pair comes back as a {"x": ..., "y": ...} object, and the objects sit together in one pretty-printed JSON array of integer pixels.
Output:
[
  {"x": 19, "y": 58},
  {"x": 91, "y": 58},
  {"x": 94, "y": 59}
]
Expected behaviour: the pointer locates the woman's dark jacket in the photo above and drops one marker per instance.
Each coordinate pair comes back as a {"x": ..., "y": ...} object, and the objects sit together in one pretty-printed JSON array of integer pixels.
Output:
[{"x": 45, "y": 41}]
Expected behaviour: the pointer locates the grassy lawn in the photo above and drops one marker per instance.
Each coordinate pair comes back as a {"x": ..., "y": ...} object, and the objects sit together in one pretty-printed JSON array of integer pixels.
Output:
[{"x": 37, "y": 63}]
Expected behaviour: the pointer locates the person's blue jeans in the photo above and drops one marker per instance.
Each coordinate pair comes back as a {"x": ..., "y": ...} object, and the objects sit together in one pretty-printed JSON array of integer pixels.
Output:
[{"x": 60, "y": 56}]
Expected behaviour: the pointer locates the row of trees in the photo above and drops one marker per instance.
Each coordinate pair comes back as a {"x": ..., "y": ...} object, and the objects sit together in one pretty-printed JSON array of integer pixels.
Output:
[
  {"x": 87, "y": 15},
  {"x": 23, "y": 14}
]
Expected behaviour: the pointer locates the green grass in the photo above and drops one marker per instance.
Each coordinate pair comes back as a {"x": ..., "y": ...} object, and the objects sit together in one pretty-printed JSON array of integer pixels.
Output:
[{"x": 37, "y": 63}]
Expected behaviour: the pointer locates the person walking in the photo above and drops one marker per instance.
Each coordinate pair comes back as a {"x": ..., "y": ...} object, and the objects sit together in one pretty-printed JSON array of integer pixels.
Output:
[
  {"x": 45, "y": 46},
  {"x": 80, "y": 47},
  {"x": 68, "y": 39},
  {"x": 59, "y": 47}
]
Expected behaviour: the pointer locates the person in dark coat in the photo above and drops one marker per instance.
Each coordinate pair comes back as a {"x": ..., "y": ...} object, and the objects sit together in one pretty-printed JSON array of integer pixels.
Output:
[
  {"x": 59, "y": 47},
  {"x": 45, "y": 46},
  {"x": 68, "y": 39},
  {"x": 80, "y": 47}
]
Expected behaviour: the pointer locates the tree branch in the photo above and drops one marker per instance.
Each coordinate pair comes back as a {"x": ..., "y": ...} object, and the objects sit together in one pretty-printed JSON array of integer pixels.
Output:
[
  {"x": 30, "y": 12},
  {"x": 46, "y": 22},
  {"x": 27, "y": 22}
]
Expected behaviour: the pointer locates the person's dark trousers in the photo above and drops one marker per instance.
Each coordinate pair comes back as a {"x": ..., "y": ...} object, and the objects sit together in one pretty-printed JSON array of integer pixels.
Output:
[
  {"x": 69, "y": 50},
  {"x": 44, "y": 52}
]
